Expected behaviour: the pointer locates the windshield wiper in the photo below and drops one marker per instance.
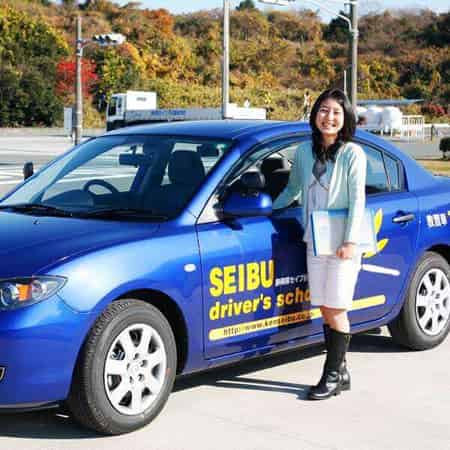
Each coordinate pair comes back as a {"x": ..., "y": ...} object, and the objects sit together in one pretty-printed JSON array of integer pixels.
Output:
[
  {"x": 38, "y": 208},
  {"x": 124, "y": 212}
]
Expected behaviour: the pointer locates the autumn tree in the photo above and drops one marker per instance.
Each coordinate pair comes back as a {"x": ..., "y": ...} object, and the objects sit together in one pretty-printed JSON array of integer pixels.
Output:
[
  {"x": 296, "y": 26},
  {"x": 65, "y": 78},
  {"x": 29, "y": 49},
  {"x": 248, "y": 25}
]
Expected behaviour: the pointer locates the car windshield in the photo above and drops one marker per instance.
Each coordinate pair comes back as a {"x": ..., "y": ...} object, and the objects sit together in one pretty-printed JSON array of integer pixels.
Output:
[{"x": 130, "y": 175}]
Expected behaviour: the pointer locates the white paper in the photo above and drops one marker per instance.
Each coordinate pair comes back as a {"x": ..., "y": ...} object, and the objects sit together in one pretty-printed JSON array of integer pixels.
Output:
[{"x": 328, "y": 230}]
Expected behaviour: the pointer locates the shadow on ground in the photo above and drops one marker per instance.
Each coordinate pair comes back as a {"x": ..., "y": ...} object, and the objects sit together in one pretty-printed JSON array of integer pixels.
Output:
[{"x": 56, "y": 424}]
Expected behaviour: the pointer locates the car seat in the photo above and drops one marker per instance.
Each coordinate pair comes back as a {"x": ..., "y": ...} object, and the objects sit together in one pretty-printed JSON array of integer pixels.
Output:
[
  {"x": 186, "y": 173},
  {"x": 276, "y": 173}
]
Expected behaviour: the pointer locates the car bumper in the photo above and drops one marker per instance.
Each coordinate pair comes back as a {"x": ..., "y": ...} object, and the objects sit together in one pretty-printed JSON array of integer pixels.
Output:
[{"x": 39, "y": 346}]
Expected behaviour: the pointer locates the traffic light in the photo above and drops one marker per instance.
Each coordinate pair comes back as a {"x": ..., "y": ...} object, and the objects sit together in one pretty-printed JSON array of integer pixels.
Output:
[{"x": 109, "y": 39}]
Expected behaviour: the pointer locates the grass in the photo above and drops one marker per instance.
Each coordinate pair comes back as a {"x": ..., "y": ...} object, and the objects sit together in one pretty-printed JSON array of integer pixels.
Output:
[{"x": 436, "y": 166}]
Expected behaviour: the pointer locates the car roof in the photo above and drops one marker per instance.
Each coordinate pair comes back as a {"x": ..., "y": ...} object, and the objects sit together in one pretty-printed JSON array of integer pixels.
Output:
[{"x": 222, "y": 129}]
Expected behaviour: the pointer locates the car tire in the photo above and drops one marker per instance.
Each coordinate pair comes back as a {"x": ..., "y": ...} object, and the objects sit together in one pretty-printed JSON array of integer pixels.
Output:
[
  {"x": 424, "y": 320},
  {"x": 126, "y": 369}
]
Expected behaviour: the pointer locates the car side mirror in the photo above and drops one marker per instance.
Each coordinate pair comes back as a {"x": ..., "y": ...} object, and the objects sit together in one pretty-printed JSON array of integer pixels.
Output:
[
  {"x": 238, "y": 204},
  {"x": 248, "y": 200},
  {"x": 28, "y": 170}
]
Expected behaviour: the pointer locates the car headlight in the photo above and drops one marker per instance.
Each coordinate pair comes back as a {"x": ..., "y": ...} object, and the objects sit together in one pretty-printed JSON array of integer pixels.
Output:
[{"x": 19, "y": 292}]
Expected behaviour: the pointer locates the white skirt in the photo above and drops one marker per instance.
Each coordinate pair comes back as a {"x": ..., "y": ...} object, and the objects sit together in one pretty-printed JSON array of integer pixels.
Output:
[{"x": 332, "y": 280}]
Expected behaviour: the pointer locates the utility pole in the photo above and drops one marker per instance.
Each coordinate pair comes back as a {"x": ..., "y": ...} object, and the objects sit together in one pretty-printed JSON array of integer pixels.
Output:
[
  {"x": 354, "y": 52},
  {"x": 78, "y": 83},
  {"x": 226, "y": 59}
]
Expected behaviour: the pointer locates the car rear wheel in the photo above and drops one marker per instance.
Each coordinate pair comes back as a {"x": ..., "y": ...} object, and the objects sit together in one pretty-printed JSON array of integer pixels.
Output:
[
  {"x": 424, "y": 320},
  {"x": 126, "y": 370}
]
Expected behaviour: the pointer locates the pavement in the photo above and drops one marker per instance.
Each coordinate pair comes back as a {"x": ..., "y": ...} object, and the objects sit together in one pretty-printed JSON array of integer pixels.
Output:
[{"x": 400, "y": 400}]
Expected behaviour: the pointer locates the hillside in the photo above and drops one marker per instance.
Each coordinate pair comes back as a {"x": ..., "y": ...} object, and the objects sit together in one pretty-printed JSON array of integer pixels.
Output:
[{"x": 275, "y": 57}]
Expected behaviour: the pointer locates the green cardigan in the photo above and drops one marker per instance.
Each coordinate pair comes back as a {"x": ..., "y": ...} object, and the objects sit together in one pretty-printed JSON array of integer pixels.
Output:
[{"x": 347, "y": 184}]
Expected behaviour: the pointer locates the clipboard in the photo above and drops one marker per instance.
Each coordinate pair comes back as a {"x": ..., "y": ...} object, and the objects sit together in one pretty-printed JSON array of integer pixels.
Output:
[{"x": 328, "y": 231}]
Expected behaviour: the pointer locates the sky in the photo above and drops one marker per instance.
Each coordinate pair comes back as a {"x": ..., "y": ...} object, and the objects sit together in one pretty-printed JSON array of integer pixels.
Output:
[{"x": 183, "y": 6}]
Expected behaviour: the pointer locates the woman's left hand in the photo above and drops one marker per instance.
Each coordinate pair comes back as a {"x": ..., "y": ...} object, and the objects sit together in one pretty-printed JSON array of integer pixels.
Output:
[{"x": 346, "y": 250}]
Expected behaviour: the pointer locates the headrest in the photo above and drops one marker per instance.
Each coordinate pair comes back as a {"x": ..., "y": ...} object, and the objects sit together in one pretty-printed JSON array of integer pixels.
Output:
[
  {"x": 206, "y": 150},
  {"x": 253, "y": 180},
  {"x": 185, "y": 167},
  {"x": 271, "y": 164}
]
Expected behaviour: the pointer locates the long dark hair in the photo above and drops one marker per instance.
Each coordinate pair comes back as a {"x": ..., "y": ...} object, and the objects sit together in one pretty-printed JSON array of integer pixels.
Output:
[{"x": 345, "y": 134}]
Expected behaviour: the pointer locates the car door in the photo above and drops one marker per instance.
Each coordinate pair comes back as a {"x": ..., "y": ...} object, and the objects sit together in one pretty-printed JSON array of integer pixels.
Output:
[
  {"x": 385, "y": 272},
  {"x": 254, "y": 275}
]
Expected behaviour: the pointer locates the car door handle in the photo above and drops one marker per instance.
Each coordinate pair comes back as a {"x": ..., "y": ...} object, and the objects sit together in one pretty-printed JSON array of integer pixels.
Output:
[{"x": 404, "y": 218}]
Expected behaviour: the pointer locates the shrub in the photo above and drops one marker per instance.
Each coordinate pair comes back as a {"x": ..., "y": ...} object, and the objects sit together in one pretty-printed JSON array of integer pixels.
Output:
[{"x": 444, "y": 146}]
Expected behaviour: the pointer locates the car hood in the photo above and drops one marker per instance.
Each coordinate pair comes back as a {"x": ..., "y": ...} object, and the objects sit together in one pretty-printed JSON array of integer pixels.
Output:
[{"x": 29, "y": 244}]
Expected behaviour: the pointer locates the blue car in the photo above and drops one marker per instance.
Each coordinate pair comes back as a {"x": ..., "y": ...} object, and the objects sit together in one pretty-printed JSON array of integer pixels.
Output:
[{"x": 154, "y": 251}]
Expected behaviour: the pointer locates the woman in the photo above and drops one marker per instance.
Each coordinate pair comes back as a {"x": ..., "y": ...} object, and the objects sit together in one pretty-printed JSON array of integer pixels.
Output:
[{"x": 330, "y": 173}]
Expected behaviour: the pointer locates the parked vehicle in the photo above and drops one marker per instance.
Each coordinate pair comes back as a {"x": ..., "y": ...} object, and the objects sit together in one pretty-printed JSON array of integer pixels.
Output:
[
  {"x": 154, "y": 251},
  {"x": 139, "y": 107}
]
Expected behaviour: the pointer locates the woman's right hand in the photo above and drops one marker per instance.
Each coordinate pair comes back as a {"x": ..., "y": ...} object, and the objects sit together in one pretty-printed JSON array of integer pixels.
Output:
[{"x": 346, "y": 250}]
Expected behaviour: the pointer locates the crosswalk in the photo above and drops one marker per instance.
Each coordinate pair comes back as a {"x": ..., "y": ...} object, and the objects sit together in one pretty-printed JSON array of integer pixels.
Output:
[
  {"x": 121, "y": 179},
  {"x": 11, "y": 174}
]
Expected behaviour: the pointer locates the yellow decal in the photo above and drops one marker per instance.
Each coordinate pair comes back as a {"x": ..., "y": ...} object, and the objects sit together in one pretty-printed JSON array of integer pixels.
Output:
[
  {"x": 229, "y": 280},
  {"x": 286, "y": 319},
  {"x": 378, "y": 221},
  {"x": 233, "y": 308}
]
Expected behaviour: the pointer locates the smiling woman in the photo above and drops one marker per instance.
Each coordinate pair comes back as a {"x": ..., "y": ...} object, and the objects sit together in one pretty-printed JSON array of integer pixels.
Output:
[{"x": 331, "y": 175}]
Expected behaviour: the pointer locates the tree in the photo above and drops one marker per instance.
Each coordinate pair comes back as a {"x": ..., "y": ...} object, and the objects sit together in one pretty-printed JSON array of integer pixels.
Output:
[
  {"x": 438, "y": 32},
  {"x": 297, "y": 26},
  {"x": 248, "y": 25},
  {"x": 26, "y": 98},
  {"x": 29, "y": 49},
  {"x": 337, "y": 30},
  {"x": 65, "y": 78},
  {"x": 246, "y": 4}
]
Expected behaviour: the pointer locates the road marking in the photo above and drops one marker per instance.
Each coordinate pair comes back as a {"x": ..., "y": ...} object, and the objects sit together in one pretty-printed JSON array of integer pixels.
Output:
[
  {"x": 29, "y": 152},
  {"x": 13, "y": 174}
]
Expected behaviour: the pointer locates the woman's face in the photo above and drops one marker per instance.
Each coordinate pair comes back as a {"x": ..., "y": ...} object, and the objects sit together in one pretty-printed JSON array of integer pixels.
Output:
[{"x": 330, "y": 118}]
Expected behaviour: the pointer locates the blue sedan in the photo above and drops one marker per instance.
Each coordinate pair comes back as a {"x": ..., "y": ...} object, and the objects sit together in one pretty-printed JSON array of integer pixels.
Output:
[{"x": 154, "y": 251}]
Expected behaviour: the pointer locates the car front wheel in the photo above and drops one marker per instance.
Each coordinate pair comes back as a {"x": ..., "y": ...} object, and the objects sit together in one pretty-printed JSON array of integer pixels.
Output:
[
  {"x": 126, "y": 370},
  {"x": 424, "y": 320}
]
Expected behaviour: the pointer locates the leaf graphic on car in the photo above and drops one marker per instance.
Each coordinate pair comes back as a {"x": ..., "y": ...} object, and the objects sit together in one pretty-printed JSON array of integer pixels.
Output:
[
  {"x": 381, "y": 244},
  {"x": 378, "y": 221}
]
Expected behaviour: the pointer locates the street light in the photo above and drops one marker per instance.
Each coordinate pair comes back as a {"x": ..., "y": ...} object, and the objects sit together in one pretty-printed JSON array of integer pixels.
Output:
[
  {"x": 226, "y": 59},
  {"x": 100, "y": 39},
  {"x": 353, "y": 27}
]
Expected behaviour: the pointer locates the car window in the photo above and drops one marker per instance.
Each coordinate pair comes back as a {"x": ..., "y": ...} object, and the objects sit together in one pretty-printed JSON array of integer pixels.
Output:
[
  {"x": 106, "y": 167},
  {"x": 274, "y": 160},
  {"x": 158, "y": 174},
  {"x": 208, "y": 152},
  {"x": 274, "y": 165},
  {"x": 376, "y": 177},
  {"x": 393, "y": 170}
]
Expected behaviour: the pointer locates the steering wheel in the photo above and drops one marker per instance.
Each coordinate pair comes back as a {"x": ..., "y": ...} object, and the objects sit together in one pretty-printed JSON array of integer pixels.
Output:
[{"x": 97, "y": 182}]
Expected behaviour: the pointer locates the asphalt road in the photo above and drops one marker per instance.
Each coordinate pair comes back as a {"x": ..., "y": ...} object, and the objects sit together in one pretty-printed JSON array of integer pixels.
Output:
[{"x": 400, "y": 400}]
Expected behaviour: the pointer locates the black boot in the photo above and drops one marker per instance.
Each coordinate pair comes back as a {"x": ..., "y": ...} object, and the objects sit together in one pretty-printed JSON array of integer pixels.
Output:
[
  {"x": 332, "y": 380},
  {"x": 346, "y": 383}
]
